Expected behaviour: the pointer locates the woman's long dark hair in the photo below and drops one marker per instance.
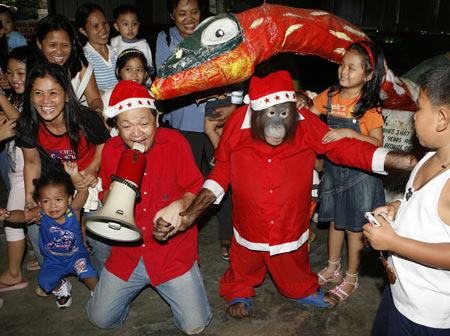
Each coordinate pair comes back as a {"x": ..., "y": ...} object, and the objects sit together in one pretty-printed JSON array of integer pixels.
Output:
[
  {"x": 370, "y": 97},
  {"x": 53, "y": 23},
  {"x": 82, "y": 16},
  {"x": 3, "y": 50},
  {"x": 74, "y": 114}
]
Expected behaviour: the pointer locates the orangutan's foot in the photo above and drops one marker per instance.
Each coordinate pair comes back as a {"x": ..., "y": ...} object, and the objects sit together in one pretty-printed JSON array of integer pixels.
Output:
[{"x": 238, "y": 310}]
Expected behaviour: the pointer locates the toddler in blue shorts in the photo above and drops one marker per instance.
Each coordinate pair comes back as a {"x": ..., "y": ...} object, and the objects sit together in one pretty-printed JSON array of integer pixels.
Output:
[{"x": 60, "y": 235}]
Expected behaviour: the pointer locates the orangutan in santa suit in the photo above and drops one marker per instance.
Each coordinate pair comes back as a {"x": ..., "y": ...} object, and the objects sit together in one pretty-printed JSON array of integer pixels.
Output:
[{"x": 267, "y": 153}]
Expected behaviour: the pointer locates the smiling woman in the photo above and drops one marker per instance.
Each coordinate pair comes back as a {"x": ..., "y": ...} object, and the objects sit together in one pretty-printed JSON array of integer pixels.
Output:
[
  {"x": 55, "y": 41},
  {"x": 183, "y": 114},
  {"x": 55, "y": 128},
  {"x": 92, "y": 24}
]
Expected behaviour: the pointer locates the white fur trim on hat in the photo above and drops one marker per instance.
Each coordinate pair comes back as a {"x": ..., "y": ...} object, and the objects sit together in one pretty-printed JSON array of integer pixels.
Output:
[
  {"x": 128, "y": 104},
  {"x": 272, "y": 99}
]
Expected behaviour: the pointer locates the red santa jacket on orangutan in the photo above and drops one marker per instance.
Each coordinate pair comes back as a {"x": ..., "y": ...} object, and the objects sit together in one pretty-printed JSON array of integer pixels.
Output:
[{"x": 272, "y": 184}]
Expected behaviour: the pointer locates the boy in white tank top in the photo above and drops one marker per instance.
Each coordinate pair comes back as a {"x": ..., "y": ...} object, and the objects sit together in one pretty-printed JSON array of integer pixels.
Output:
[{"x": 418, "y": 302}]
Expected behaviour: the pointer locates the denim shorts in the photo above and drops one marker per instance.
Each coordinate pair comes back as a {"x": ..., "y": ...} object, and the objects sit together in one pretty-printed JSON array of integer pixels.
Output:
[{"x": 346, "y": 193}]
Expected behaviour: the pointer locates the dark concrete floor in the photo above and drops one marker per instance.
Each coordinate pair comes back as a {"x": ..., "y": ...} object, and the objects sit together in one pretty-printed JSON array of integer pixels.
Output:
[{"x": 24, "y": 313}]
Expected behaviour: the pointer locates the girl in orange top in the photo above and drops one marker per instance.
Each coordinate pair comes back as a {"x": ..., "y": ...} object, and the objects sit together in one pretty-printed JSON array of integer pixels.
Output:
[{"x": 353, "y": 110}]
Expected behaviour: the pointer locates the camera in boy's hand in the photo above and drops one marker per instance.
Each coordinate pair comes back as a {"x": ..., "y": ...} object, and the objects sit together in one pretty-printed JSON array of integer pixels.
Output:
[
  {"x": 212, "y": 105},
  {"x": 371, "y": 218}
]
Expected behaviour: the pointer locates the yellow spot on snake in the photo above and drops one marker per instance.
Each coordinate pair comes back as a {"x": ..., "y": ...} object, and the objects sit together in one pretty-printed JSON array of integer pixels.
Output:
[
  {"x": 290, "y": 30},
  {"x": 339, "y": 51},
  {"x": 179, "y": 53},
  {"x": 319, "y": 13},
  {"x": 256, "y": 23},
  {"x": 342, "y": 36},
  {"x": 293, "y": 15},
  {"x": 354, "y": 31}
]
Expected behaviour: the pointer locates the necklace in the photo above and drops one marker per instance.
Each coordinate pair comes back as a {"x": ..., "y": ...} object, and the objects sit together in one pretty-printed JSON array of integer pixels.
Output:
[{"x": 411, "y": 190}]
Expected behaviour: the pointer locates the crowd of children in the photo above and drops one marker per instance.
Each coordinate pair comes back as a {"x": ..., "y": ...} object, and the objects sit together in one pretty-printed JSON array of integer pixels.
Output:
[{"x": 55, "y": 131}]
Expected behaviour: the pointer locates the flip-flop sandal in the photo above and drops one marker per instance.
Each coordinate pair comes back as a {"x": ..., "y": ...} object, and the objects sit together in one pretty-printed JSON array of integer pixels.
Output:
[
  {"x": 247, "y": 302},
  {"x": 20, "y": 285},
  {"x": 225, "y": 250},
  {"x": 314, "y": 301},
  {"x": 33, "y": 265}
]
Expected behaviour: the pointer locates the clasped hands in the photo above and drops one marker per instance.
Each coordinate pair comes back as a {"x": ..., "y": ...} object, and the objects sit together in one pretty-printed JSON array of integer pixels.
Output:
[{"x": 170, "y": 220}]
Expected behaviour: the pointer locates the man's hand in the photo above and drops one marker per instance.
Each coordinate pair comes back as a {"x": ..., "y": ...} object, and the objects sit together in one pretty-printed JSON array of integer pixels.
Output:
[
  {"x": 168, "y": 221},
  {"x": 171, "y": 219}
]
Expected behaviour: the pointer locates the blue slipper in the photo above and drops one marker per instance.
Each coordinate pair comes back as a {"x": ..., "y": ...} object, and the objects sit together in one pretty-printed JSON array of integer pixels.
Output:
[
  {"x": 317, "y": 302},
  {"x": 247, "y": 302}
]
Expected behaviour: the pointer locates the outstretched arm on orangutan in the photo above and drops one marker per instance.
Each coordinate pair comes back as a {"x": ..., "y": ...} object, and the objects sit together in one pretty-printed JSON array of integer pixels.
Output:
[
  {"x": 400, "y": 161},
  {"x": 165, "y": 228}
]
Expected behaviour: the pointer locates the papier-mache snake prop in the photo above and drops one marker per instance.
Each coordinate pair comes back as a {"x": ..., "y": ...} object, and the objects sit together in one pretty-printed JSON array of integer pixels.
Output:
[{"x": 225, "y": 49}]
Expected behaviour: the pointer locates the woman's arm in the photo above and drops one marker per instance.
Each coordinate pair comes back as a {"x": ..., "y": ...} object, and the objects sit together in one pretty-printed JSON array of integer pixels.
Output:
[
  {"x": 211, "y": 131},
  {"x": 94, "y": 167},
  {"x": 92, "y": 94},
  {"x": 10, "y": 111},
  {"x": 31, "y": 171},
  {"x": 7, "y": 127}
]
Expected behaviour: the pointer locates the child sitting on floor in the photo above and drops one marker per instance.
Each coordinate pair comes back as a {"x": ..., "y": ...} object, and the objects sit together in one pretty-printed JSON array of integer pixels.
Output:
[
  {"x": 418, "y": 301},
  {"x": 60, "y": 235}
]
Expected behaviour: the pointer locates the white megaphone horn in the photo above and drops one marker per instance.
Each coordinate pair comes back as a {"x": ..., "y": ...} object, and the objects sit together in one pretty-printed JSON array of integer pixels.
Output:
[{"x": 115, "y": 220}]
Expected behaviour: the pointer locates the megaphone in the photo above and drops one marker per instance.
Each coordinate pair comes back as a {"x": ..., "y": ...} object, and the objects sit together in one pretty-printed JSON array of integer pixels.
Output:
[{"x": 115, "y": 221}]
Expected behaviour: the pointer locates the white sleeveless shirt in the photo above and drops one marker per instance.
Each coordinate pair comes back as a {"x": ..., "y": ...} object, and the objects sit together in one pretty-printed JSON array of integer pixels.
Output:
[{"x": 422, "y": 293}]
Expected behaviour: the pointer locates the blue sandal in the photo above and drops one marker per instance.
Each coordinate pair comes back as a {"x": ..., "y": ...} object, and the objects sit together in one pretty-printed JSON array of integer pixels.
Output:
[
  {"x": 247, "y": 302},
  {"x": 314, "y": 301}
]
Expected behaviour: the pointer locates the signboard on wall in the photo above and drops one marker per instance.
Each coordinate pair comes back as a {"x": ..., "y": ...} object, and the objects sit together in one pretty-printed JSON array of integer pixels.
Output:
[
  {"x": 26, "y": 28},
  {"x": 398, "y": 130},
  {"x": 398, "y": 134}
]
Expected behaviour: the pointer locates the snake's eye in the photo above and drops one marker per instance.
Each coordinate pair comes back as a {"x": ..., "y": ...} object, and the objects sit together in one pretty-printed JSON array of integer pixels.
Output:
[{"x": 219, "y": 31}]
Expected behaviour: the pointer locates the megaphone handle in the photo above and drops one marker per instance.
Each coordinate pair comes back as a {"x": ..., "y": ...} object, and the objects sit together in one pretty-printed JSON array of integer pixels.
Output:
[{"x": 128, "y": 184}]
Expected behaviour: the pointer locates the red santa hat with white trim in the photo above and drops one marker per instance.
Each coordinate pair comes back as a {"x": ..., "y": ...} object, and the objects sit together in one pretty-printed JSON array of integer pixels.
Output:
[
  {"x": 274, "y": 89},
  {"x": 128, "y": 95}
]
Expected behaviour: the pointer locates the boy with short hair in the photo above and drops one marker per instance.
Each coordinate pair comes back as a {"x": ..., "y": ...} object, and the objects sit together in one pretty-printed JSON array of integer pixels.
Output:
[
  {"x": 418, "y": 300},
  {"x": 60, "y": 235},
  {"x": 15, "y": 39},
  {"x": 126, "y": 22}
]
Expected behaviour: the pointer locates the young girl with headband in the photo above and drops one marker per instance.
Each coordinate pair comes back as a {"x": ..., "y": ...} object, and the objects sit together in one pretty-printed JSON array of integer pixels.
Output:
[
  {"x": 131, "y": 65},
  {"x": 353, "y": 110}
]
